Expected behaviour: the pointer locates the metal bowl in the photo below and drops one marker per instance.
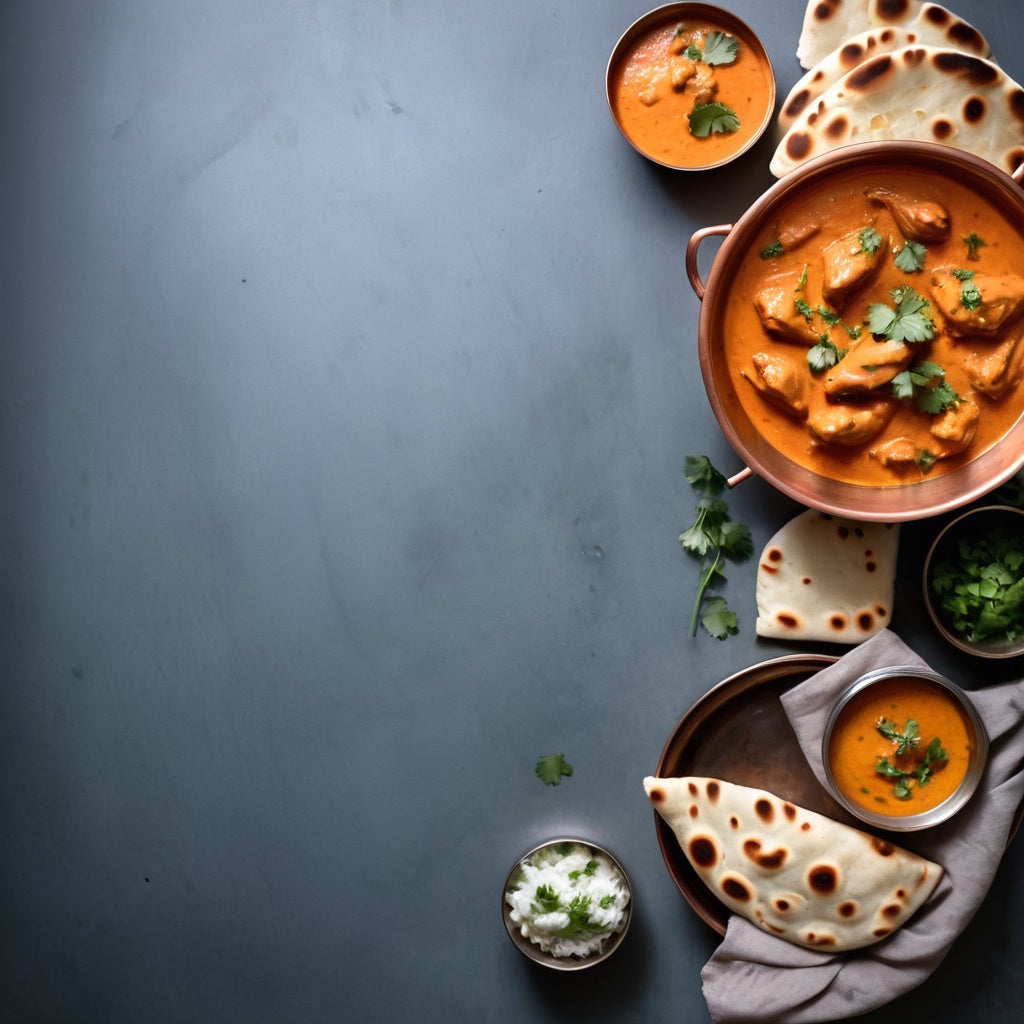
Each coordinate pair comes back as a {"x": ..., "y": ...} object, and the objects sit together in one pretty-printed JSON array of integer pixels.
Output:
[
  {"x": 976, "y": 764},
  {"x": 977, "y": 523},
  {"x": 928, "y": 496},
  {"x": 531, "y": 950},
  {"x": 699, "y": 12}
]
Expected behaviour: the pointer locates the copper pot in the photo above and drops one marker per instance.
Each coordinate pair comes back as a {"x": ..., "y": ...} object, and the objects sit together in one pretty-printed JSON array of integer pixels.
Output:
[{"x": 928, "y": 496}]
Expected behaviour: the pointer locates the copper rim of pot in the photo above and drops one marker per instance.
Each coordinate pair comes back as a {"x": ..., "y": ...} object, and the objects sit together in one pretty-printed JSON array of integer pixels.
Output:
[{"x": 922, "y": 498}]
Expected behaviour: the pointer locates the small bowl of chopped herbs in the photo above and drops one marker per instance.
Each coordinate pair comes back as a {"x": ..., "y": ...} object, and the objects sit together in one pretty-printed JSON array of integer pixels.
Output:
[
  {"x": 567, "y": 904},
  {"x": 974, "y": 581}
]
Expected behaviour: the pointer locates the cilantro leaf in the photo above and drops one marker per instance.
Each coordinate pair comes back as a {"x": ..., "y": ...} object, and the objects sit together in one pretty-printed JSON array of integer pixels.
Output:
[
  {"x": 718, "y": 619},
  {"x": 706, "y": 118},
  {"x": 910, "y": 259},
  {"x": 775, "y": 248},
  {"x": 906, "y": 740},
  {"x": 870, "y": 240},
  {"x": 973, "y": 243},
  {"x": 824, "y": 355},
  {"x": 547, "y": 899},
  {"x": 720, "y": 48},
  {"x": 692, "y": 52},
  {"x": 908, "y": 321},
  {"x": 924, "y": 383},
  {"x": 702, "y": 475},
  {"x": 551, "y": 768}
]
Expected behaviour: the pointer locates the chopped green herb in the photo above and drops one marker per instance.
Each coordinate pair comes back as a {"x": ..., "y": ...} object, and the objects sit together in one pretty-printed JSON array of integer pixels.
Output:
[
  {"x": 924, "y": 383},
  {"x": 870, "y": 240},
  {"x": 720, "y": 48},
  {"x": 970, "y": 296},
  {"x": 934, "y": 757},
  {"x": 775, "y": 248},
  {"x": 908, "y": 321},
  {"x": 910, "y": 259},
  {"x": 824, "y": 355},
  {"x": 551, "y": 768},
  {"x": 924, "y": 460},
  {"x": 906, "y": 740},
  {"x": 834, "y": 319},
  {"x": 706, "y": 118},
  {"x": 803, "y": 308},
  {"x": 713, "y": 538},
  {"x": 692, "y": 52},
  {"x": 973, "y": 243},
  {"x": 979, "y": 586}
]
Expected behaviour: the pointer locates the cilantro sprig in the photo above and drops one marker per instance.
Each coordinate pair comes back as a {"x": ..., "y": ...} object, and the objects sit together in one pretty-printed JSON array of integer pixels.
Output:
[
  {"x": 907, "y": 320},
  {"x": 910, "y": 259},
  {"x": 924, "y": 383},
  {"x": 713, "y": 539},
  {"x": 906, "y": 741},
  {"x": 970, "y": 296},
  {"x": 974, "y": 243}
]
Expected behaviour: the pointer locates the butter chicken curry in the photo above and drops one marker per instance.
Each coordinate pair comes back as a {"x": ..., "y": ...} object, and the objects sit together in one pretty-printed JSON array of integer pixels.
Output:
[{"x": 876, "y": 335}]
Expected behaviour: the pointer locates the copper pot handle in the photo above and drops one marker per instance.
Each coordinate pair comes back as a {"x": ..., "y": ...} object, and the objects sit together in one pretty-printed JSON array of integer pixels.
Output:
[
  {"x": 1018, "y": 174},
  {"x": 691, "y": 254}
]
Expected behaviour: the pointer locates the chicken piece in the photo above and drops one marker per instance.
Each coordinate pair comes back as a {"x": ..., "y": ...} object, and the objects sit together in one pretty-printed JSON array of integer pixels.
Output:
[
  {"x": 897, "y": 451},
  {"x": 777, "y": 309},
  {"x": 994, "y": 368},
  {"x": 955, "y": 426},
  {"x": 849, "y": 423},
  {"x": 997, "y": 298},
  {"x": 848, "y": 264},
  {"x": 781, "y": 379},
  {"x": 866, "y": 366},
  {"x": 920, "y": 220},
  {"x": 694, "y": 75},
  {"x": 792, "y": 236}
]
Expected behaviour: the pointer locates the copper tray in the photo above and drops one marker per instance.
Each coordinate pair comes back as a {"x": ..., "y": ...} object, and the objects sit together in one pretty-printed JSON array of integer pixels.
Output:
[{"x": 739, "y": 731}]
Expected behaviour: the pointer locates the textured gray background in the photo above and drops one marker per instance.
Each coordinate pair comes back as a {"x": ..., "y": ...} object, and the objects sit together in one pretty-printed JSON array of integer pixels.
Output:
[{"x": 348, "y": 371}]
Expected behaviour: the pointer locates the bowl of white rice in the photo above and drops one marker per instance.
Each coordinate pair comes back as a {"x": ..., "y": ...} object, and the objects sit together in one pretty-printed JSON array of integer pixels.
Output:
[{"x": 567, "y": 904}]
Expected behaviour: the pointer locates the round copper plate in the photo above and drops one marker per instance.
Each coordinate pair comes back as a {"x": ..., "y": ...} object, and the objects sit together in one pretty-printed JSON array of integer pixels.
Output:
[{"x": 738, "y": 731}]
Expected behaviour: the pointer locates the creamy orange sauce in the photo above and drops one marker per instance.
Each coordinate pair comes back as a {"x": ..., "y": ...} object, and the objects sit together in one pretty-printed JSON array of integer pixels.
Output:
[
  {"x": 834, "y": 208},
  {"x": 856, "y": 745},
  {"x": 654, "y": 115}
]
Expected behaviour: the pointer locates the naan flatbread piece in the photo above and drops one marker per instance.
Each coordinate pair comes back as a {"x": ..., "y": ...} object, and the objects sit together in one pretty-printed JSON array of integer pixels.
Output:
[
  {"x": 827, "y": 578},
  {"x": 828, "y": 24},
  {"x": 919, "y": 93},
  {"x": 855, "y": 51},
  {"x": 793, "y": 872}
]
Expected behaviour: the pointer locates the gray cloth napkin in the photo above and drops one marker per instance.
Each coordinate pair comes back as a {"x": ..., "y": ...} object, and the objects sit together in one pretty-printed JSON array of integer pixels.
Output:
[{"x": 753, "y": 976}]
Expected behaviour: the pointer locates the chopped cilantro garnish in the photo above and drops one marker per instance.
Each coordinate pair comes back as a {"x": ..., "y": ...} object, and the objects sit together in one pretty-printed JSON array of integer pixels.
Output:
[
  {"x": 970, "y": 296},
  {"x": 925, "y": 384},
  {"x": 551, "y": 768},
  {"x": 775, "y": 248},
  {"x": 824, "y": 355},
  {"x": 706, "y": 118},
  {"x": 870, "y": 240},
  {"x": 924, "y": 460},
  {"x": 803, "y": 308},
  {"x": 907, "y": 322},
  {"x": 910, "y": 259},
  {"x": 973, "y": 243},
  {"x": 720, "y": 48},
  {"x": 979, "y": 585},
  {"x": 692, "y": 52},
  {"x": 905, "y": 741}
]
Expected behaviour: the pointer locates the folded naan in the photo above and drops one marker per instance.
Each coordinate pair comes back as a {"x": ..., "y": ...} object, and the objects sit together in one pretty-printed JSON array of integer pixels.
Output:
[
  {"x": 793, "y": 872},
  {"x": 830, "y": 23},
  {"x": 920, "y": 93},
  {"x": 827, "y": 578},
  {"x": 855, "y": 51}
]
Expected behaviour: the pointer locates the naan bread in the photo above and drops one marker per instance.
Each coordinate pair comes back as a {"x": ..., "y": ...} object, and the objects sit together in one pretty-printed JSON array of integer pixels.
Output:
[
  {"x": 828, "y": 24},
  {"x": 855, "y": 51},
  {"x": 918, "y": 93},
  {"x": 826, "y": 578},
  {"x": 795, "y": 873}
]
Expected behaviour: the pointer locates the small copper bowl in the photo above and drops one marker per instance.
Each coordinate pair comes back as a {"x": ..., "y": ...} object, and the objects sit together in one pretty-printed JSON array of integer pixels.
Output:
[
  {"x": 755, "y": 117},
  {"x": 975, "y": 524},
  {"x": 977, "y": 757},
  {"x": 530, "y": 949}
]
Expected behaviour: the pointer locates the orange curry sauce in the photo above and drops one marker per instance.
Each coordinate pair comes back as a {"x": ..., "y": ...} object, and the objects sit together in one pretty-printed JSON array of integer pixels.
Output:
[
  {"x": 856, "y": 745},
  {"x": 654, "y": 115},
  {"x": 824, "y": 213}
]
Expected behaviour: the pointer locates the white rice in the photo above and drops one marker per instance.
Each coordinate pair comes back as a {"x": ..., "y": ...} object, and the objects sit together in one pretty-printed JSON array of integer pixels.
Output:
[{"x": 597, "y": 880}]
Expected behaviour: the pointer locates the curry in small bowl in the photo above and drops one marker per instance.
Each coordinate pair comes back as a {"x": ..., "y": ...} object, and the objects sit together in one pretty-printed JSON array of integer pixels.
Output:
[
  {"x": 904, "y": 748},
  {"x": 690, "y": 86}
]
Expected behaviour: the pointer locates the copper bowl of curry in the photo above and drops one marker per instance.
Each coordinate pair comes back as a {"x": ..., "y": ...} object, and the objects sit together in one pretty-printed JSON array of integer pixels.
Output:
[
  {"x": 861, "y": 334},
  {"x": 904, "y": 748},
  {"x": 690, "y": 86}
]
